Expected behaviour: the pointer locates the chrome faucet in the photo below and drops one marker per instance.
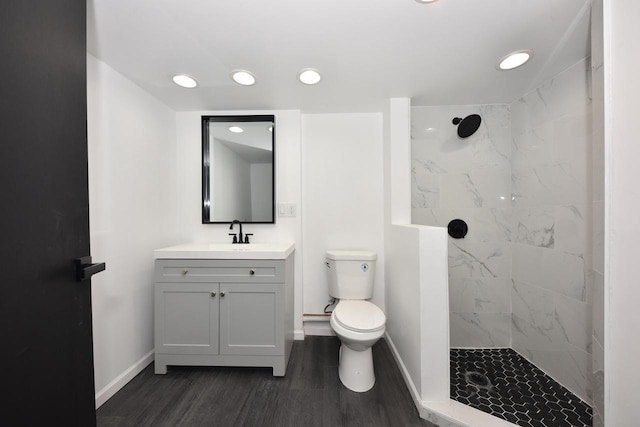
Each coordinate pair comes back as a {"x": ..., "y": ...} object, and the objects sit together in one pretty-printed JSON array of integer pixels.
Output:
[{"x": 239, "y": 238}]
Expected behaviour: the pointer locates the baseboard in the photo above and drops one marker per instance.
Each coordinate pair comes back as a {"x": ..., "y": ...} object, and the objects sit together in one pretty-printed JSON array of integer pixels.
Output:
[
  {"x": 298, "y": 335},
  {"x": 318, "y": 327},
  {"x": 121, "y": 380}
]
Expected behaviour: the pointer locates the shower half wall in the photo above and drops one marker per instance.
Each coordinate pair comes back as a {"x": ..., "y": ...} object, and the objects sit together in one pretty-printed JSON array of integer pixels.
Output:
[{"x": 520, "y": 278}]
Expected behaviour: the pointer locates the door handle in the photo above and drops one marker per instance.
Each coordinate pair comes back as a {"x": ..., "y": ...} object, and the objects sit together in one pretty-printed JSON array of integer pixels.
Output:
[{"x": 85, "y": 268}]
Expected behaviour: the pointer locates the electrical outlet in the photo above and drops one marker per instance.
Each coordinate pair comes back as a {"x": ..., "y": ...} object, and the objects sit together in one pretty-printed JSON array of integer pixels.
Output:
[{"x": 291, "y": 210}]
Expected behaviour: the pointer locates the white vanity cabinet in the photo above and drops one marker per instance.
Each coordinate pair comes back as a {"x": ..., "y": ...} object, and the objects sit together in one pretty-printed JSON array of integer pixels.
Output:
[{"x": 223, "y": 312}]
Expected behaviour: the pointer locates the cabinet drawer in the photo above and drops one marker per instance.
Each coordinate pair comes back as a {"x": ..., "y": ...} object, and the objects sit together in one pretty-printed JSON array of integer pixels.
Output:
[{"x": 245, "y": 271}]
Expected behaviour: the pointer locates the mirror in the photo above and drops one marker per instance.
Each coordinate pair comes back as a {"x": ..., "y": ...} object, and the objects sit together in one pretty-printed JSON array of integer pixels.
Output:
[{"x": 238, "y": 174}]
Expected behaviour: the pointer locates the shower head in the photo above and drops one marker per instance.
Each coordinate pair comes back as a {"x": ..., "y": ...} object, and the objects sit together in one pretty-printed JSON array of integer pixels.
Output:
[{"x": 467, "y": 126}]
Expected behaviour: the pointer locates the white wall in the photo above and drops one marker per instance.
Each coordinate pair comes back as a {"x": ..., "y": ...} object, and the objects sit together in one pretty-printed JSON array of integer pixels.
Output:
[
  {"x": 342, "y": 200},
  {"x": 132, "y": 189},
  {"x": 189, "y": 196},
  {"x": 622, "y": 204}
]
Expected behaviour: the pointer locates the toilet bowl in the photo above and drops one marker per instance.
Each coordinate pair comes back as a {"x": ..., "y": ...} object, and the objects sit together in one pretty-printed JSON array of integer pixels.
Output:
[{"x": 359, "y": 325}]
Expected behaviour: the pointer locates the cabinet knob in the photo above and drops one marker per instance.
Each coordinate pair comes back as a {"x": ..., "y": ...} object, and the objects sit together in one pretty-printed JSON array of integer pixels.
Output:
[
  {"x": 251, "y": 272},
  {"x": 185, "y": 271},
  {"x": 221, "y": 294},
  {"x": 213, "y": 294}
]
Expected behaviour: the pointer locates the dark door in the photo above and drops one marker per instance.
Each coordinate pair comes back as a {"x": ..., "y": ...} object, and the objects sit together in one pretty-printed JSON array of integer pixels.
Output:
[{"x": 46, "y": 369}]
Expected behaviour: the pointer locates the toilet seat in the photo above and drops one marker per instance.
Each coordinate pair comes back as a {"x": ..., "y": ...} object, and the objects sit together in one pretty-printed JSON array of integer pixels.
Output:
[{"x": 359, "y": 316}]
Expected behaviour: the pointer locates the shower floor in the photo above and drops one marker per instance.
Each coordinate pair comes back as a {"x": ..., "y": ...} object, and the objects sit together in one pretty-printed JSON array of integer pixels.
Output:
[{"x": 506, "y": 385}]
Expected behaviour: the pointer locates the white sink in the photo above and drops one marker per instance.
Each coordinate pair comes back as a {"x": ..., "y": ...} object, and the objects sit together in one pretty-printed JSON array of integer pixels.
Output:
[{"x": 226, "y": 251}]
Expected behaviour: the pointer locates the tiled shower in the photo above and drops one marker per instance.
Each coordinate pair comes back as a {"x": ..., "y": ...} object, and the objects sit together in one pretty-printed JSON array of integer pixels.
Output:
[{"x": 522, "y": 278}]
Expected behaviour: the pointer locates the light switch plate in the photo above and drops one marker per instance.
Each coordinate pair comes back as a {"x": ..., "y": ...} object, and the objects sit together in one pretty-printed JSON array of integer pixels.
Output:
[{"x": 287, "y": 210}]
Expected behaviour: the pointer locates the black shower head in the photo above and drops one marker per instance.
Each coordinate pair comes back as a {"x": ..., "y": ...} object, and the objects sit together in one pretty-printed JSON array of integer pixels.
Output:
[{"x": 467, "y": 126}]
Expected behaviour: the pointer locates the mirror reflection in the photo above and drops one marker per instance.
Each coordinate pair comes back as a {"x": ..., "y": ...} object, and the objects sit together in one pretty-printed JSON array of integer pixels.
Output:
[{"x": 238, "y": 169}]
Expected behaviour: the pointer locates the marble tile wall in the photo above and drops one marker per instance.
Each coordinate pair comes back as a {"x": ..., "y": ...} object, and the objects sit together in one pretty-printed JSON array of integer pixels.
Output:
[
  {"x": 597, "y": 209},
  {"x": 552, "y": 291},
  {"x": 469, "y": 179}
]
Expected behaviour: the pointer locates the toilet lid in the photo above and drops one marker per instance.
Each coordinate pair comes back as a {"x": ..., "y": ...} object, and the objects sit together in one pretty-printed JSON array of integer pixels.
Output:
[{"x": 359, "y": 316}]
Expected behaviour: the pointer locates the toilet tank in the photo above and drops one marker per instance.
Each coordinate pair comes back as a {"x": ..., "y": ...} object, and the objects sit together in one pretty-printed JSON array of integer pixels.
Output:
[{"x": 350, "y": 273}]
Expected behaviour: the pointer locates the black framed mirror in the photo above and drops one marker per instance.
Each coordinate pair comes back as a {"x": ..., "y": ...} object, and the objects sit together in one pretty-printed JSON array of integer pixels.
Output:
[{"x": 238, "y": 169}]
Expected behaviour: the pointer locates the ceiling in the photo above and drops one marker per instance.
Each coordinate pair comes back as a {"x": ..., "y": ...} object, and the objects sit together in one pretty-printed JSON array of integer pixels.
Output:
[
  {"x": 441, "y": 53},
  {"x": 254, "y": 144}
]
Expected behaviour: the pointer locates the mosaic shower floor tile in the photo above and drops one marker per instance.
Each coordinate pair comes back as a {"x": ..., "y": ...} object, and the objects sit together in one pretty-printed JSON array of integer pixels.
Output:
[{"x": 506, "y": 385}]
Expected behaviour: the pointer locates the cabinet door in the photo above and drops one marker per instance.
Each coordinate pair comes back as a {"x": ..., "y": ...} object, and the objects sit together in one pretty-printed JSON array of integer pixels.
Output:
[
  {"x": 251, "y": 319},
  {"x": 186, "y": 318}
]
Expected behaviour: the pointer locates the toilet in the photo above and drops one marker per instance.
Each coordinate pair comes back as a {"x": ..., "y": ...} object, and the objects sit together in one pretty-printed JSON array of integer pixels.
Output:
[{"x": 358, "y": 323}]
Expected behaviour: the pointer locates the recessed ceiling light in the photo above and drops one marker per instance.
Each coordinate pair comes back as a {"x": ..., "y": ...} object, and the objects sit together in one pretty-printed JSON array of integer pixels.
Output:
[
  {"x": 514, "y": 59},
  {"x": 236, "y": 129},
  {"x": 309, "y": 76},
  {"x": 184, "y": 81},
  {"x": 243, "y": 77},
  {"x": 426, "y": 1}
]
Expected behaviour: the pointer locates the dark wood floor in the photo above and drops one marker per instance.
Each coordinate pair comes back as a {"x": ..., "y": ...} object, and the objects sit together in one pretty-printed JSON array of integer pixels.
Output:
[{"x": 309, "y": 395}]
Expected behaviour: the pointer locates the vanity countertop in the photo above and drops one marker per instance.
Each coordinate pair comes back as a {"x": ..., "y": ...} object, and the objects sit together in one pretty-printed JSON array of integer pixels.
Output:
[{"x": 278, "y": 250}]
